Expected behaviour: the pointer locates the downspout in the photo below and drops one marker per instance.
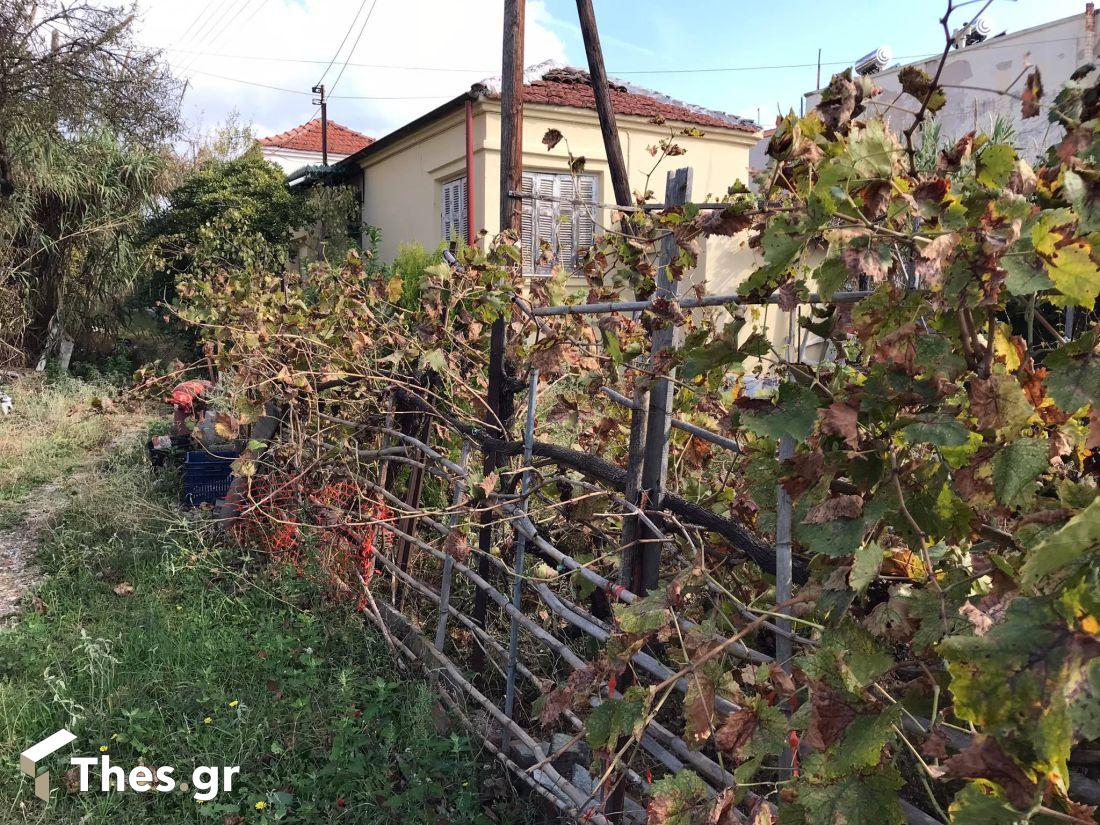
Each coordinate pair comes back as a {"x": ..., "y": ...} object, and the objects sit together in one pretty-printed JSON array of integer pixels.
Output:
[
  {"x": 1090, "y": 32},
  {"x": 470, "y": 230}
]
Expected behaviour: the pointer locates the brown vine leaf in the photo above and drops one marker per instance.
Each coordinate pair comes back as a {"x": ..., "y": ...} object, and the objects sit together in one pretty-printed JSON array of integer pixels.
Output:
[
  {"x": 1093, "y": 440},
  {"x": 488, "y": 484},
  {"x": 725, "y": 222},
  {"x": 984, "y": 758},
  {"x": 933, "y": 259},
  {"x": 999, "y": 404},
  {"x": 1033, "y": 93},
  {"x": 843, "y": 506},
  {"x": 698, "y": 709},
  {"x": 736, "y": 730},
  {"x": 807, "y": 469},
  {"x": 723, "y": 810},
  {"x": 830, "y": 716},
  {"x": 842, "y": 420},
  {"x": 868, "y": 262},
  {"x": 456, "y": 546},
  {"x": 551, "y": 139},
  {"x": 951, "y": 159},
  {"x": 935, "y": 744}
]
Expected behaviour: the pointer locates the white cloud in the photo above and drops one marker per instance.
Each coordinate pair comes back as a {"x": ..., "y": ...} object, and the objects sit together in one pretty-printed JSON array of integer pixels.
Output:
[{"x": 463, "y": 37}]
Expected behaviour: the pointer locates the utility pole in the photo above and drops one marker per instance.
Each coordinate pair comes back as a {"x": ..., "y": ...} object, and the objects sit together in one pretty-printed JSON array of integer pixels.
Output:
[
  {"x": 319, "y": 89},
  {"x": 615, "y": 162},
  {"x": 498, "y": 398}
]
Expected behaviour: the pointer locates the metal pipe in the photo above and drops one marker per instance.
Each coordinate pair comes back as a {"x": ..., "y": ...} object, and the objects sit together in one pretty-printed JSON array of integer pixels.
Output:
[
  {"x": 521, "y": 544},
  {"x": 783, "y": 575},
  {"x": 689, "y": 303},
  {"x": 692, "y": 429},
  {"x": 470, "y": 232}
]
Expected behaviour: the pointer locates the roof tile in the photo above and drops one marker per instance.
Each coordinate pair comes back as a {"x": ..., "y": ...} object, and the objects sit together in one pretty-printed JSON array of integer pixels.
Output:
[{"x": 307, "y": 138}]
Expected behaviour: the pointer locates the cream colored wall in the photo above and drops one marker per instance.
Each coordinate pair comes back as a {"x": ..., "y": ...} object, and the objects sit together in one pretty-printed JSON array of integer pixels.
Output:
[
  {"x": 716, "y": 159},
  {"x": 402, "y": 183}
]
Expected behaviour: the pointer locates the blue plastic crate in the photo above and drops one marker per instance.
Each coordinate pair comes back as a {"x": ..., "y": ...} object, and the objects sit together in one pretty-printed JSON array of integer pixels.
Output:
[
  {"x": 207, "y": 476},
  {"x": 206, "y": 492}
]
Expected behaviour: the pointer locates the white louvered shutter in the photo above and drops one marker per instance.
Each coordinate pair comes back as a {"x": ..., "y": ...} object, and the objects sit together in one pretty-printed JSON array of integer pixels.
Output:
[
  {"x": 565, "y": 250},
  {"x": 545, "y": 222},
  {"x": 453, "y": 218},
  {"x": 585, "y": 218},
  {"x": 527, "y": 224}
]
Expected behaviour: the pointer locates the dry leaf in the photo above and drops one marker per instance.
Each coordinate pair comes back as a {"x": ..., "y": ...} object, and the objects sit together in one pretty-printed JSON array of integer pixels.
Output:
[{"x": 123, "y": 589}]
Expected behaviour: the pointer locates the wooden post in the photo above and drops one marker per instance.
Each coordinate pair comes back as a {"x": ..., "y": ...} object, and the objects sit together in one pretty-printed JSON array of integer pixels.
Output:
[
  {"x": 511, "y": 178},
  {"x": 615, "y": 162},
  {"x": 659, "y": 423}
]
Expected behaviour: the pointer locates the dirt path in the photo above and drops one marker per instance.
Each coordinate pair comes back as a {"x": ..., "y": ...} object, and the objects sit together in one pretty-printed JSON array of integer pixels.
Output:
[{"x": 20, "y": 543}]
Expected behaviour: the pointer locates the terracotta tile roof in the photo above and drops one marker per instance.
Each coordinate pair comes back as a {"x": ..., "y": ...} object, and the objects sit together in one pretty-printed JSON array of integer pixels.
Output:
[
  {"x": 307, "y": 138},
  {"x": 566, "y": 86}
]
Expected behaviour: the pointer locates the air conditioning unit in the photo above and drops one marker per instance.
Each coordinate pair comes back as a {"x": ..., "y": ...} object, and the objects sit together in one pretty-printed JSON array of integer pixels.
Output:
[{"x": 875, "y": 61}]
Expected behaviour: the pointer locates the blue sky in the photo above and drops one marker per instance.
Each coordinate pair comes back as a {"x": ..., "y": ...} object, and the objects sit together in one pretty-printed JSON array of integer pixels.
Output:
[
  {"x": 261, "y": 57},
  {"x": 657, "y": 35}
]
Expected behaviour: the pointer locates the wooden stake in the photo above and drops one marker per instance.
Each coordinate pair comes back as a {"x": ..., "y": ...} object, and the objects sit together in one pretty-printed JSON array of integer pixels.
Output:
[{"x": 615, "y": 162}]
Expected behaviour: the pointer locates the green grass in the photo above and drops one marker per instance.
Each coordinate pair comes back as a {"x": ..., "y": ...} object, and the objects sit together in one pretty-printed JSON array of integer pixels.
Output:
[
  {"x": 215, "y": 659},
  {"x": 50, "y": 432}
]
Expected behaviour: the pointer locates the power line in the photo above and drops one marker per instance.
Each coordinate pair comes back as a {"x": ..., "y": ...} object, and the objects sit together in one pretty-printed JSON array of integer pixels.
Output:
[
  {"x": 229, "y": 25},
  {"x": 300, "y": 92},
  {"x": 624, "y": 72},
  {"x": 354, "y": 45},
  {"x": 343, "y": 40},
  {"x": 203, "y": 36},
  {"x": 209, "y": 5}
]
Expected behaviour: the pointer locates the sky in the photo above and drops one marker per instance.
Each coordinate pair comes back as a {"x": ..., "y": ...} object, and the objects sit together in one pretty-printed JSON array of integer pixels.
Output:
[{"x": 386, "y": 61}]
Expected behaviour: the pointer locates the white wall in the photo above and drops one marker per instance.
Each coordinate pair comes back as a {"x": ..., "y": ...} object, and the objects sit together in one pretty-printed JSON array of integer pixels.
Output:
[
  {"x": 291, "y": 160},
  {"x": 1056, "y": 49}
]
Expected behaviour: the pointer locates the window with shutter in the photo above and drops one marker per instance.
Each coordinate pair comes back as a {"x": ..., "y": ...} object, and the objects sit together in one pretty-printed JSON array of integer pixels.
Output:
[
  {"x": 453, "y": 219},
  {"x": 558, "y": 219}
]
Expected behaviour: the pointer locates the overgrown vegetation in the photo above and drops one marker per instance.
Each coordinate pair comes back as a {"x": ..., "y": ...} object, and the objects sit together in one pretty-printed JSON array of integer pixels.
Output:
[
  {"x": 943, "y": 464},
  {"x": 84, "y": 112},
  {"x": 156, "y": 643}
]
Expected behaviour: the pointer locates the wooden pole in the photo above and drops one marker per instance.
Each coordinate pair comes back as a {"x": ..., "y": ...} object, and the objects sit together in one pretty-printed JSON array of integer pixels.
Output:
[
  {"x": 511, "y": 178},
  {"x": 615, "y": 162},
  {"x": 659, "y": 423}
]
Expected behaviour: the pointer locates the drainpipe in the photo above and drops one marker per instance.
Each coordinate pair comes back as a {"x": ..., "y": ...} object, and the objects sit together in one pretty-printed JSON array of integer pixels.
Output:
[
  {"x": 1090, "y": 31},
  {"x": 470, "y": 231}
]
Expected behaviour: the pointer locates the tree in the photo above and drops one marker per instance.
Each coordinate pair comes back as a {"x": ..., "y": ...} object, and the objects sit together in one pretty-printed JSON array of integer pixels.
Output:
[
  {"x": 247, "y": 193},
  {"x": 84, "y": 112}
]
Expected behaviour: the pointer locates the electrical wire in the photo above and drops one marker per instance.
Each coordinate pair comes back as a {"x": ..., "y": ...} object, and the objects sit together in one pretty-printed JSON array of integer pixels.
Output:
[
  {"x": 229, "y": 25},
  {"x": 300, "y": 92},
  {"x": 354, "y": 45},
  {"x": 698, "y": 70},
  {"x": 209, "y": 5},
  {"x": 205, "y": 34},
  {"x": 344, "y": 40}
]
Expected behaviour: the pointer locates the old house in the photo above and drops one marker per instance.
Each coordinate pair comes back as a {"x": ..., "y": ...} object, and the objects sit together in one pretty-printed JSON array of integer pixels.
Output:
[
  {"x": 302, "y": 146},
  {"x": 414, "y": 181}
]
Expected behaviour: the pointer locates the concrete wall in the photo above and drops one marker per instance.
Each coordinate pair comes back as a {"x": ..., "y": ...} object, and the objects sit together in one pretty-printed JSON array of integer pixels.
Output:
[
  {"x": 402, "y": 183},
  {"x": 1056, "y": 49}
]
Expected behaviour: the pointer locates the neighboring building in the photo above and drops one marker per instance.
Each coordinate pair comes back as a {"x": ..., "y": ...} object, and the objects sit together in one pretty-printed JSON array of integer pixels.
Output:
[
  {"x": 758, "y": 155},
  {"x": 413, "y": 180},
  {"x": 997, "y": 63},
  {"x": 301, "y": 146}
]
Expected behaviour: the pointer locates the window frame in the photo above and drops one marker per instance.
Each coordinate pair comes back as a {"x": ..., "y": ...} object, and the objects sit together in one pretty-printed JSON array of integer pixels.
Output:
[{"x": 543, "y": 203}]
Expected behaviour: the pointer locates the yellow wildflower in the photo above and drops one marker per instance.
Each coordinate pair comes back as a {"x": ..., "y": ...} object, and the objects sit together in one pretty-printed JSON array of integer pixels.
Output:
[
  {"x": 261, "y": 805},
  {"x": 234, "y": 703},
  {"x": 207, "y": 720},
  {"x": 102, "y": 748}
]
